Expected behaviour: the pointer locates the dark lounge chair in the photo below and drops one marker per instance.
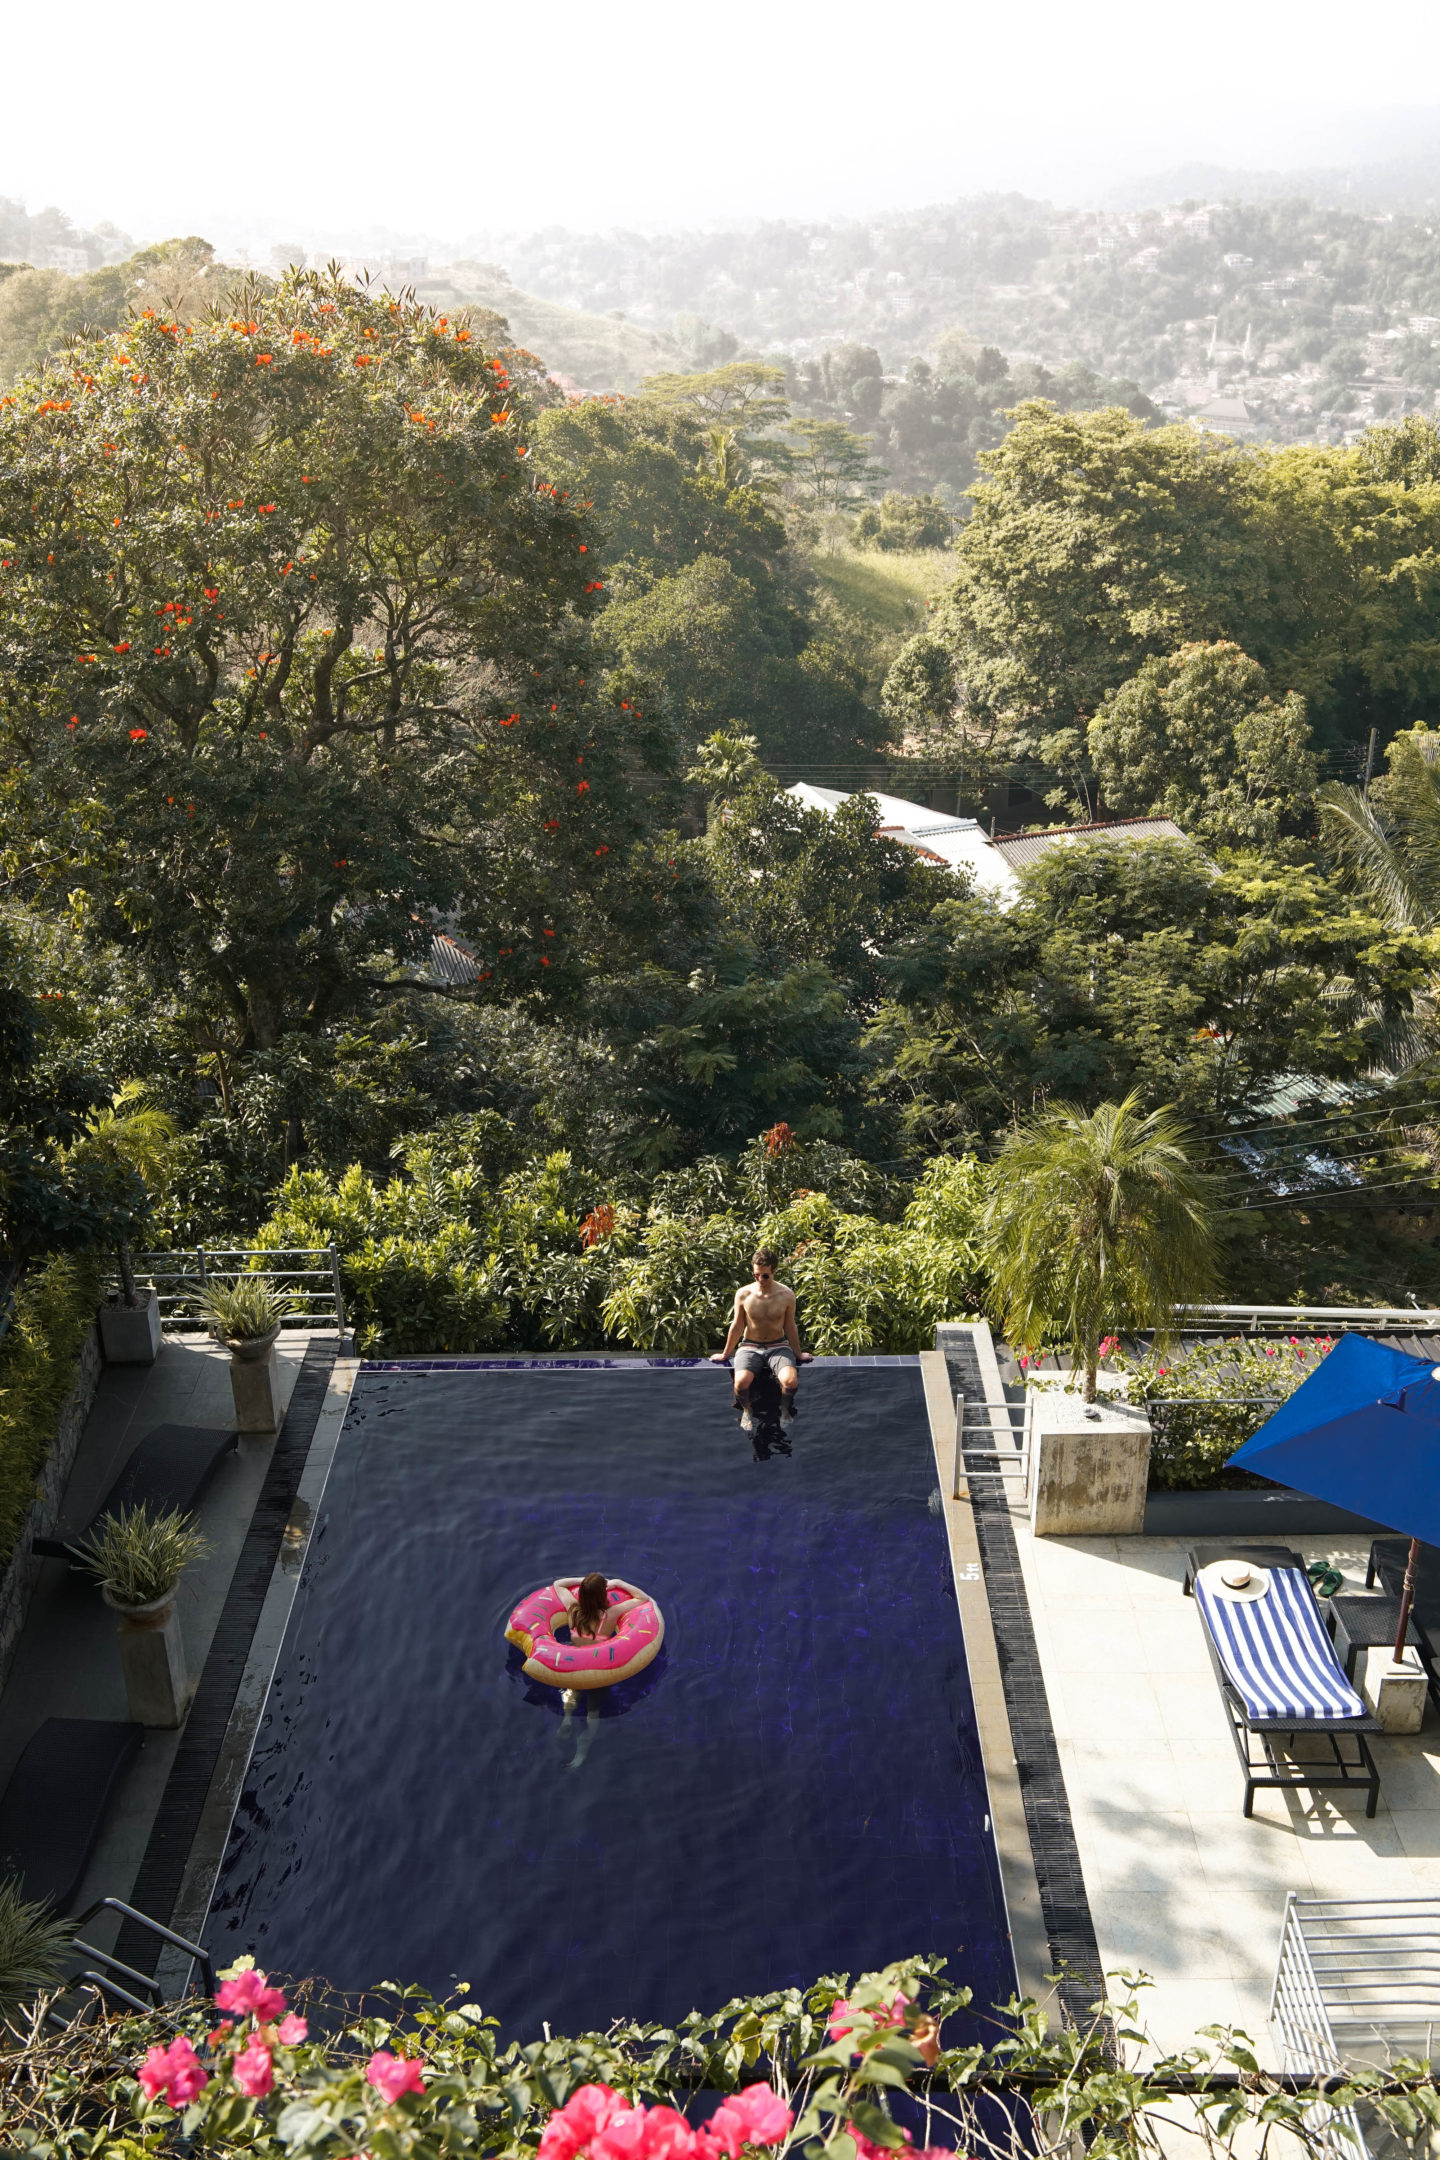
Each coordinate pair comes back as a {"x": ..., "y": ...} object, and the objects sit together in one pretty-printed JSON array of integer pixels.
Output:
[
  {"x": 169, "y": 1470},
  {"x": 52, "y": 1810},
  {"x": 1280, "y": 1681}
]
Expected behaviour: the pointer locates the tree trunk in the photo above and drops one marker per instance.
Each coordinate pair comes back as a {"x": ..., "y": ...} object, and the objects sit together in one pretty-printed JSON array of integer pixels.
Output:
[
  {"x": 127, "y": 1277},
  {"x": 1092, "y": 1363}
]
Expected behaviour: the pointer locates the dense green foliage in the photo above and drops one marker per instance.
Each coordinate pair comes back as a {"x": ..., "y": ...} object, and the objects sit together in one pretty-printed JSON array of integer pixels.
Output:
[
  {"x": 386, "y": 808},
  {"x": 54, "y": 1309}
]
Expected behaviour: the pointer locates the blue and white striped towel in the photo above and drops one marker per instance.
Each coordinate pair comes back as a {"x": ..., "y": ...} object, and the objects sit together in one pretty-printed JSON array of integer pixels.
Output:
[{"x": 1276, "y": 1652}]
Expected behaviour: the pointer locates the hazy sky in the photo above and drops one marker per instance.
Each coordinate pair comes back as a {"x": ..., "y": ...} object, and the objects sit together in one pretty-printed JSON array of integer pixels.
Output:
[{"x": 311, "y": 119}]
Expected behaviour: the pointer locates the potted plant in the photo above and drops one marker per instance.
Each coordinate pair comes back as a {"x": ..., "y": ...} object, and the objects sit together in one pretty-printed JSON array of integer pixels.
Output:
[
  {"x": 129, "y": 1146},
  {"x": 34, "y": 1944},
  {"x": 245, "y": 1315},
  {"x": 138, "y": 1557}
]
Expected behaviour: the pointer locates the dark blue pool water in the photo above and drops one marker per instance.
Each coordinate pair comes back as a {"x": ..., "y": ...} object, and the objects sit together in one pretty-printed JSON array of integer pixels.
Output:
[{"x": 793, "y": 1788}]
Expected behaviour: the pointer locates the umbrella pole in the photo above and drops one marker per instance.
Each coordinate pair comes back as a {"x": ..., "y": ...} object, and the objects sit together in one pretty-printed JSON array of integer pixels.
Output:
[{"x": 1407, "y": 1599}]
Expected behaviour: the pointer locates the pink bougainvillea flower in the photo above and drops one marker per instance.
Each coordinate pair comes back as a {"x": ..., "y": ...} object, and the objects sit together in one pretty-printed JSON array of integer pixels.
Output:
[
  {"x": 254, "y": 2070},
  {"x": 173, "y": 2074},
  {"x": 249, "y": 1995},
  {"x": 843, "y": 2016},
  {"x": 292, "y": 2030},
  {"x": 392, "y": 2075},
  {"x": 756, "y": 2116},
  {"x": 583, "y": 2116}
]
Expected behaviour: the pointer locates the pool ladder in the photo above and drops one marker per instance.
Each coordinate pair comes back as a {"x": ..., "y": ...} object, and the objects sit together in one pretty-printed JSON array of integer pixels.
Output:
[{"x": 111, "y": 1981}]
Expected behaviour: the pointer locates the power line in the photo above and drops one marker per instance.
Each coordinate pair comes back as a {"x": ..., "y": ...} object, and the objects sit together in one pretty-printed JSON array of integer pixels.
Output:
[{"x": 1337, "y": 1192}]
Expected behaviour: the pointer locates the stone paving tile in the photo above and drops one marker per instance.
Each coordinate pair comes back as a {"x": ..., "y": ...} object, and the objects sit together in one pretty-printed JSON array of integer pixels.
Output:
[{"x": 1180, "y": 1883}]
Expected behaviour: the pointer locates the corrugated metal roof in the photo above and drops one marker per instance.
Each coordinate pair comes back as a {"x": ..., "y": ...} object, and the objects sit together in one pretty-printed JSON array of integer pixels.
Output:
[
  {"x": 452, "y": 962},
  {"x": 1021, "y": 848}
]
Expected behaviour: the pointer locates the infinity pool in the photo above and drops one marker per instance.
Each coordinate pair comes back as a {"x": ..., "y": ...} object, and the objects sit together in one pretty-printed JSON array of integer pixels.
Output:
[{"x": 793, "y": 1788}]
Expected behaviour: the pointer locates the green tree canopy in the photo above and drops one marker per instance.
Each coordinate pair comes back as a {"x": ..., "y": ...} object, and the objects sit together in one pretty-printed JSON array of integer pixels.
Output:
[
  {"x": 295, "y": 658},
  {"x": 1195, "y": 736}
]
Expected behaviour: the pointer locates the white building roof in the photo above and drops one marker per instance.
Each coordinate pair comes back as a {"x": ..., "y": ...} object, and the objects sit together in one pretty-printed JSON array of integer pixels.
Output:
[{"x": 961, "y": 843}]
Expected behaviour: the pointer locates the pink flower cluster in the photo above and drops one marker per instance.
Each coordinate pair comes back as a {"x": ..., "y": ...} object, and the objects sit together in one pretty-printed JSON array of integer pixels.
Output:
[
  {"x": 248, "y": 1996},
  {"x": 842, "y": 2017},
  {"x": 173, "y": 2074},
  {"x": 392, "y": 2075},
  {"x": 597, "y": 2123}
]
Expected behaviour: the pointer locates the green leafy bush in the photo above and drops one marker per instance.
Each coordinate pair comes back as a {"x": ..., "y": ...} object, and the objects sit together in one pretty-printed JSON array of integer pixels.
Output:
[
  {"x": 1237, "y": 1385},
  {"x": 139, "y": 1556},
  {"x": 451, "y": 1257},
  {"x": 54, "y": 1308}
]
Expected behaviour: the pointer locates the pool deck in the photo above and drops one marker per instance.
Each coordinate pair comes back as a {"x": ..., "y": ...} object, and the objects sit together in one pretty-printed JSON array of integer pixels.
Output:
[
  {"x": 67, "y": 1661},
  {"x": 1179, "y": 1884}
]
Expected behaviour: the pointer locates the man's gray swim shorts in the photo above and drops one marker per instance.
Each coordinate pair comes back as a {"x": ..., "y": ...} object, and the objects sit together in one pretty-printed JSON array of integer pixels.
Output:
[{"x": 754, "y": 1357}]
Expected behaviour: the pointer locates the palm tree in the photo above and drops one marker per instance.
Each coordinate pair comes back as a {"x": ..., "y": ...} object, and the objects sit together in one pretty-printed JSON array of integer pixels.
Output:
[
  {"x": 1097, "y": 1222},
  {"x": 1395, "y": 856},
  {"x": 130, "y": 1136}
]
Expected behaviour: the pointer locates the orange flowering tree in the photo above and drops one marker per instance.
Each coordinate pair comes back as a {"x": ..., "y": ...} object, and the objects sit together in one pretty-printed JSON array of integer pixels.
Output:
[{"x": 294, "y": 659}]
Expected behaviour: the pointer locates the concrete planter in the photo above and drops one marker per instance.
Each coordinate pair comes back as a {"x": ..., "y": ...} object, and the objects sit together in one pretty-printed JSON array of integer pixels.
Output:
[
  {"x": 152, "y": 1658},
  {"x": 130, "y": 1334},
  {"x": 253, "y": 1383},
  {"x": 1088, "y": 1473}
]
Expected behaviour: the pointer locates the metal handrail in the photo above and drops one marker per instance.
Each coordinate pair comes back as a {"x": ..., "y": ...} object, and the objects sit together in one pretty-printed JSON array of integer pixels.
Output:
[
  {"x": 198, "y": 1954},
  {"x": 179, "y": 1279}
]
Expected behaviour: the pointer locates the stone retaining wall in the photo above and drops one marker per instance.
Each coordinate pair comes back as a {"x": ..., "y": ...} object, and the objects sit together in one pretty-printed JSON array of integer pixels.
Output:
[{"x": 20, "y": 1576}]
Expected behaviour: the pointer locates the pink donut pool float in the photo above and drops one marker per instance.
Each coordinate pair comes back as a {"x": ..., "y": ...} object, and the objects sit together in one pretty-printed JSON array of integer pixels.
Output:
[{"x": 531, "y": 1627}]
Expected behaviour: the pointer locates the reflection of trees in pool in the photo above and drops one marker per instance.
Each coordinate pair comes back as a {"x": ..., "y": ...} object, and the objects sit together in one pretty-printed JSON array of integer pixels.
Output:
[{"x": 609, "y": 1702}]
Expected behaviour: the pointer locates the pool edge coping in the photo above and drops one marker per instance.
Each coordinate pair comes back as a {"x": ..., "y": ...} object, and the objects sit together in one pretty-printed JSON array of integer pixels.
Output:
[
  {"x": 207, "y": 1848},
  {"x": 1019, "y": 1880}
]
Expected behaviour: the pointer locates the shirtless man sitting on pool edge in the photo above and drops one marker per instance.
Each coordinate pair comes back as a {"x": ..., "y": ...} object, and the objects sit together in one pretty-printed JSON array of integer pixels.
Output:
[{"x": 765, "y": 1316}]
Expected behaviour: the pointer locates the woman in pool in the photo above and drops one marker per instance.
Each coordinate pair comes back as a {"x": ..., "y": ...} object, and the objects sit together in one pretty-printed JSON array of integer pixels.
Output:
[{"x": 592, "y": 1617}]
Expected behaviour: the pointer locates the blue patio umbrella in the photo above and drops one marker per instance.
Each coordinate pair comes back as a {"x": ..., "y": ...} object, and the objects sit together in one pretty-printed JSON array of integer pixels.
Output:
[{"x": 1363, "y": 1432}]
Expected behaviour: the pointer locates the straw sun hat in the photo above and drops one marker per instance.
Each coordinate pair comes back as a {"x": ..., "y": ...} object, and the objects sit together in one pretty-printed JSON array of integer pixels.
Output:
[{"x": 1240, "y": 1581}]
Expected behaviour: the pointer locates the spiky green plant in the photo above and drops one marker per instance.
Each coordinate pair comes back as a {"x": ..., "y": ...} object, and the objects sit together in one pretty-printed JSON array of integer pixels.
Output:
[
  {"x": 243, "y": 1310},
  {"x": 1097, "y": 1223},
  {"x": 139, "y": 1556},
  {"x": 34, "y": 1943}
]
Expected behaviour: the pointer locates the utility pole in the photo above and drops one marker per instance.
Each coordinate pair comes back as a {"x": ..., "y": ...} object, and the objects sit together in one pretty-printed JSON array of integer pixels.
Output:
[{"x": 1370, "y": 762}]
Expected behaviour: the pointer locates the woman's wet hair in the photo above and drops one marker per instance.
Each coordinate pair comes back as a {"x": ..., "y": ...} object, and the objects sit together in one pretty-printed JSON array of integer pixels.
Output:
[{"x": 592, "y": 1602}]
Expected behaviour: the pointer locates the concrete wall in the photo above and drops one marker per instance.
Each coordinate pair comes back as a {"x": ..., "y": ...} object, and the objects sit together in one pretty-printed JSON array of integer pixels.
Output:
[{"x": 23, "y": 1570}]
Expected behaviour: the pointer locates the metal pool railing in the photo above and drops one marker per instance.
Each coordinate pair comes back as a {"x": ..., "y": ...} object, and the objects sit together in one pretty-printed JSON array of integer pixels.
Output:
[
  {"x": 309, "y": 1275},
  {"x": 1008, "y": 1453},
  {"x": 1357, "y": 1979}
]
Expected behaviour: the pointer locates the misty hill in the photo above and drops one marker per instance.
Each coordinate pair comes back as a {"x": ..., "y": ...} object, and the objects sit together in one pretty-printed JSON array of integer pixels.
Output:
[
  {"x": 1401, "y": 183},
  {"x": 587, "y": 351},
  {"x": 1309, "y": 320}
]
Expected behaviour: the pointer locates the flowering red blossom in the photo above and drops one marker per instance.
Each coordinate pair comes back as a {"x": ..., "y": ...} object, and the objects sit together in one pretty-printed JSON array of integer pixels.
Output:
[
  {"x": 125, "y": 647},
  {"x": 264, "y": 359},
  {"x": 597, "y": 1224},
  {"x": 138, "y": 734},
  {"x": 583, "y": 788}
]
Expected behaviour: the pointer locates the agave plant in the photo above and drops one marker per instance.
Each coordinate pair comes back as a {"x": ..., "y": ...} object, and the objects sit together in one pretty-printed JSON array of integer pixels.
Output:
[
  {"x": 137, "y": 1556},
  {"x": 34, "y": 1943},
  {"x": 244, "y": 1310}
]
